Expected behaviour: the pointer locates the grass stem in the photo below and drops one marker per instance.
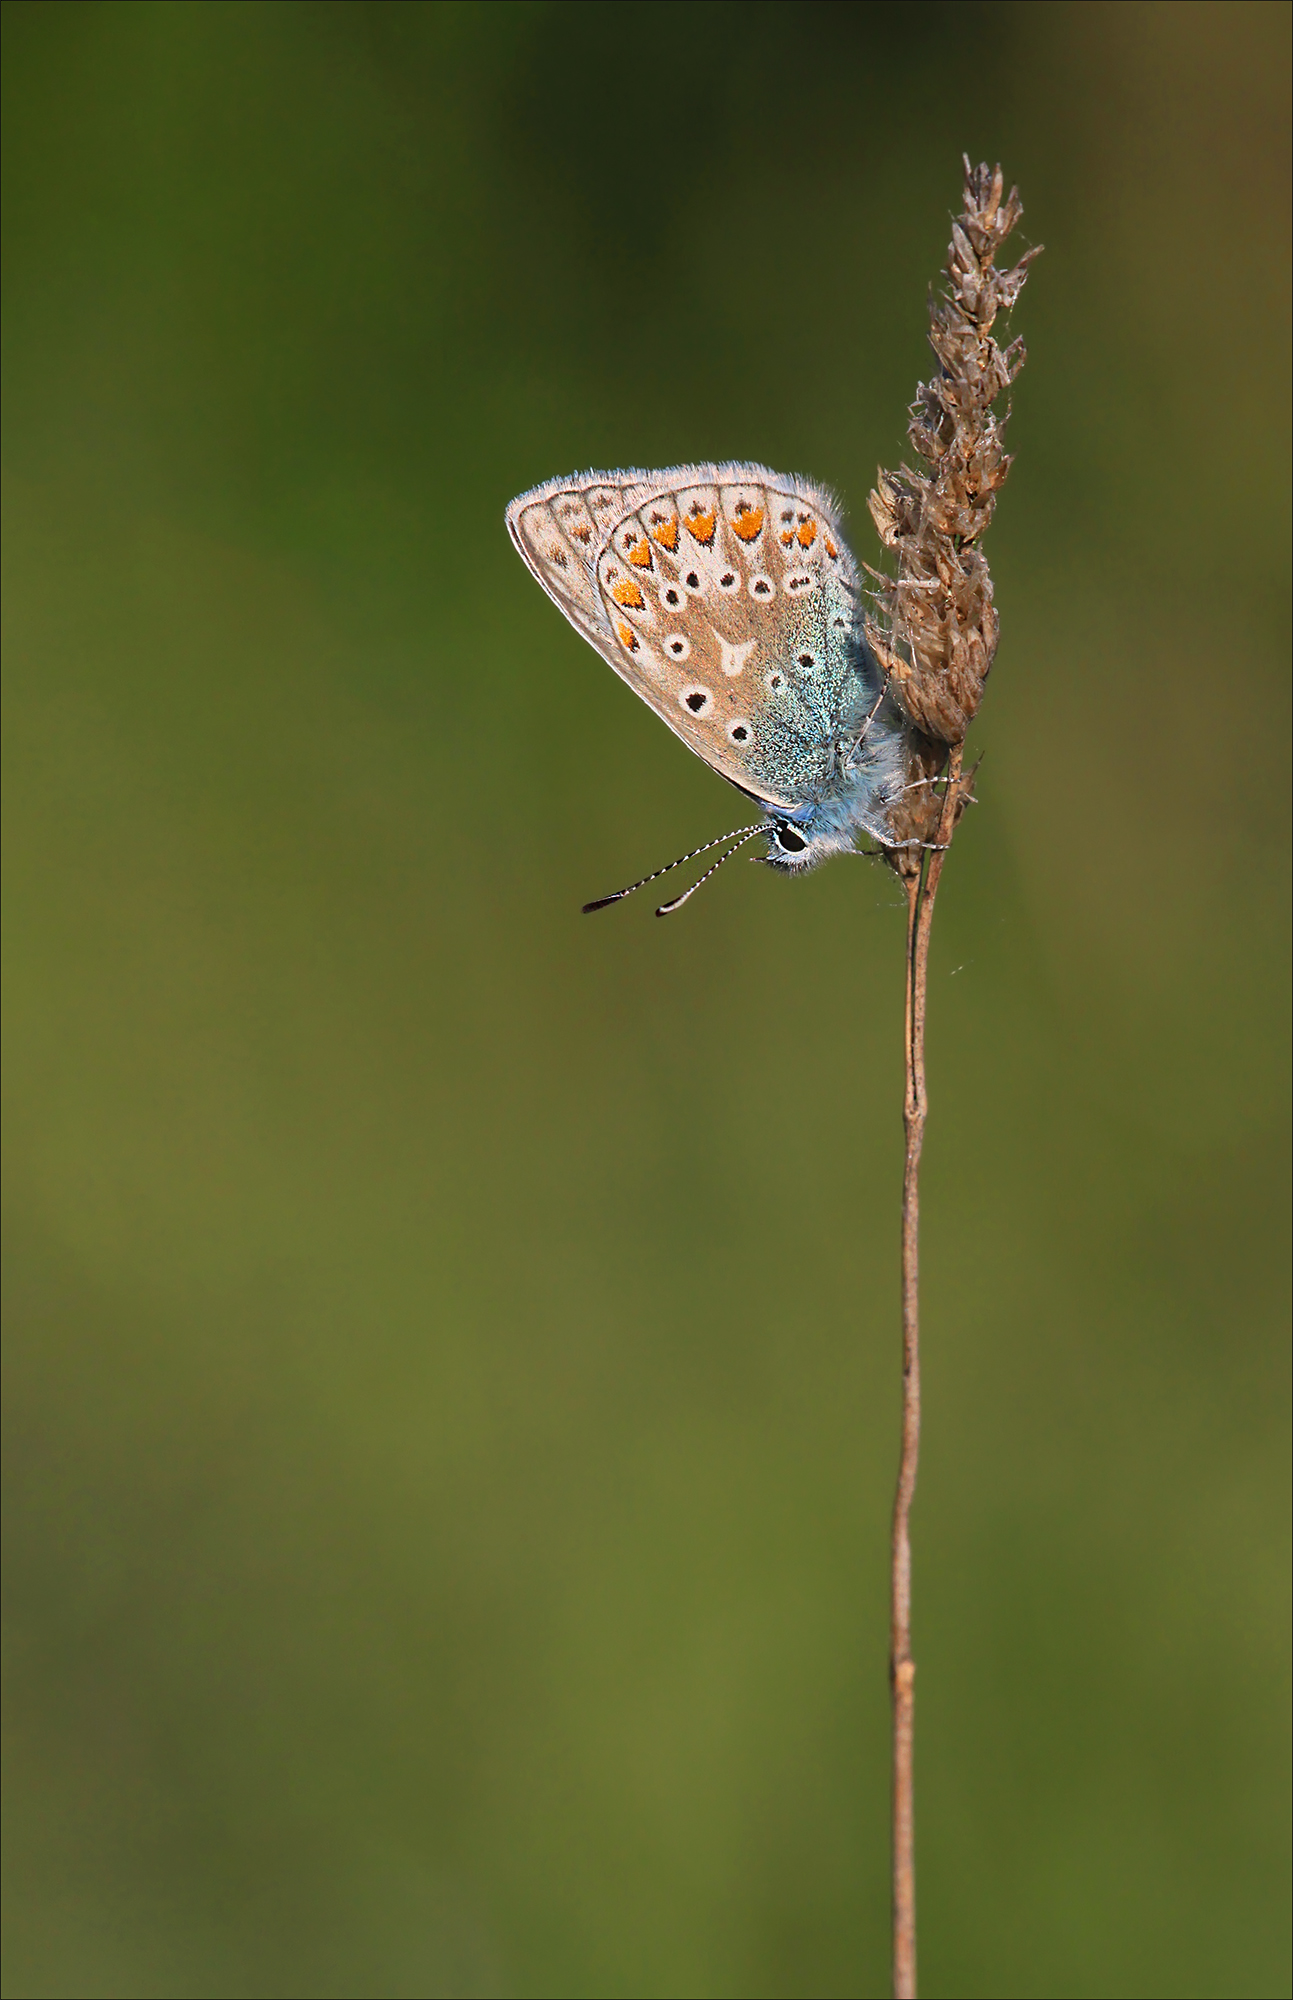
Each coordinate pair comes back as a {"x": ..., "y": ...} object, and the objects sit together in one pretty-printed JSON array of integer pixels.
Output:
[{"x": 921, "y": 888}]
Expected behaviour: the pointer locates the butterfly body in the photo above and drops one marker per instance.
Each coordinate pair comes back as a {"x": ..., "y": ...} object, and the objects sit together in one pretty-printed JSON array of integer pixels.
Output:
[{"x": 727, "y": 598}]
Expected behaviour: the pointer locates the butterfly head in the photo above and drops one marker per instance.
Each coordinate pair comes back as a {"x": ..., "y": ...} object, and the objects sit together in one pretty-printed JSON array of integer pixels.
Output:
[
  {"x": 792, "y": 847},
  {"x": 832, "y": 824}
]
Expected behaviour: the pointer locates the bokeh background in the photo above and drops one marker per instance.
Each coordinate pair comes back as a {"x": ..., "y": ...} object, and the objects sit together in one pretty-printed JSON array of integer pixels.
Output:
[{"x": 452, "y": 1369}]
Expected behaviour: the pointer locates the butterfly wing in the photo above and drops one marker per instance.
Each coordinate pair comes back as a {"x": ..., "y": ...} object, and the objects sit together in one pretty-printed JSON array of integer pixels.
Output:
[{"x": 725, "y": 596}]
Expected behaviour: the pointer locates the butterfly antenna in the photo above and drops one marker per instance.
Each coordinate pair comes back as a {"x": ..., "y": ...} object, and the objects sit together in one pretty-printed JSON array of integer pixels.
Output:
[
  {"x": 667, "y": 909},
  {"x": 604, "y": 902}
]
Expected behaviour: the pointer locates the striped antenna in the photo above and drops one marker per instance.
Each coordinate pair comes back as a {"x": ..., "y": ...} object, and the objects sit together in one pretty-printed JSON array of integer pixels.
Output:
[
  {"x": 667, "y": 909},
  {"x": 604, "y": 902}
]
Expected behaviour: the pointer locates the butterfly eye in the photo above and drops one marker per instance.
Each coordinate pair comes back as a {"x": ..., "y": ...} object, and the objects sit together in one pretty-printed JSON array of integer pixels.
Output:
[{"x": 789, "y": 840}]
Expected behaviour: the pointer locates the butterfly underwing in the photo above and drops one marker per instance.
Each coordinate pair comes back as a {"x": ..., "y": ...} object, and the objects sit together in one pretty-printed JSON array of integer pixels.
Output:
[{"x": 727, "y": 598}]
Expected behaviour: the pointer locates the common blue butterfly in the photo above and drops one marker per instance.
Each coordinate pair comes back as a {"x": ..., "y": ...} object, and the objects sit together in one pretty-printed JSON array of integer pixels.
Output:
[{"x": 726, "y": 596}]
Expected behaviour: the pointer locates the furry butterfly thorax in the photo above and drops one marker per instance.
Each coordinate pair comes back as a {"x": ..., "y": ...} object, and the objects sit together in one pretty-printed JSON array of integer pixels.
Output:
[{"x": 728, "y": 599}]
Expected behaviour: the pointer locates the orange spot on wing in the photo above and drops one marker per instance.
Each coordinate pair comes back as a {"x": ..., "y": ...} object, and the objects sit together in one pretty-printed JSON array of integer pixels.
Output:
[
  {"x": 831, "y": 549},
  {"x": 787, "y": 537},
  {"x": 627, "y": 593},
  {"x": 640, "y": 554},
  {"x": 748, "y": 522},
  {"x": 700, "y": 526},
  {"x": 583, "y": 533},
  {"x": 628, "y": 637},
  {"x": 807, "y": 534},
  {"x": 666, "y": 531}
]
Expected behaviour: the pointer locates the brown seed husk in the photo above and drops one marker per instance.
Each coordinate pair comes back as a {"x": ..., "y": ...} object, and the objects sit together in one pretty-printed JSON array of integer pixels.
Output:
[{"x": 934, "y": 628}]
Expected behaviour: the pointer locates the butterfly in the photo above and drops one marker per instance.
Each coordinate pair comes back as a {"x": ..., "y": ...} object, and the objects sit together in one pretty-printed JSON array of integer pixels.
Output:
[{"x": 727, "y": 598}]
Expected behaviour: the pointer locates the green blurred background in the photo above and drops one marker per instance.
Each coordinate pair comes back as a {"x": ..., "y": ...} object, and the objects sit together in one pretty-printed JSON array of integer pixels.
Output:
[{"x": 452, "y": 1379}]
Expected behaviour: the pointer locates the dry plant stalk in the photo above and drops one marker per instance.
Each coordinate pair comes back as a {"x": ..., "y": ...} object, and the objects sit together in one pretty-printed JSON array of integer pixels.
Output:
[{"x": 935, "y": 633}]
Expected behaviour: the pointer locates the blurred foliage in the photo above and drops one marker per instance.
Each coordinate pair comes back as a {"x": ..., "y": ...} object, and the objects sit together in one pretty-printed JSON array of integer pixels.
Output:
[{"x": 452, "y": 1369}]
